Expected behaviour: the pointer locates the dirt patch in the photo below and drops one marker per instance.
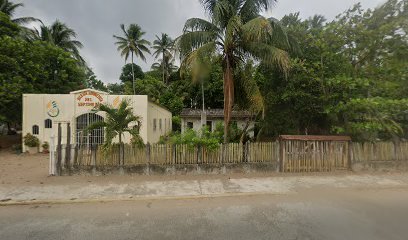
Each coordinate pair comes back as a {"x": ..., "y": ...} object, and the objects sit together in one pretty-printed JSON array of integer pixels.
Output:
[{"x": 30, "y": 170}]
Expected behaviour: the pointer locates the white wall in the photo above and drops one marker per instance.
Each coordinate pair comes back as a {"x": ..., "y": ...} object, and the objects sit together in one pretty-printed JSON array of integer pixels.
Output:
[
  {"x": 36, "y": 109},
  {"x": 157, "y": 113},
  {"x": 197, "y": 124}
]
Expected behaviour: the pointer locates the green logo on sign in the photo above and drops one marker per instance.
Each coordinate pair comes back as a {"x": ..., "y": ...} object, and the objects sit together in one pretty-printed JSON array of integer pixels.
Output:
[{"x": 53, "y": 110}]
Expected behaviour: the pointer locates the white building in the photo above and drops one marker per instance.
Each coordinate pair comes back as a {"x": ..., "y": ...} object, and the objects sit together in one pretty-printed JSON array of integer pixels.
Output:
[
  {"x": 191, "y": 119},
  {"x": 43, "y": 112}
]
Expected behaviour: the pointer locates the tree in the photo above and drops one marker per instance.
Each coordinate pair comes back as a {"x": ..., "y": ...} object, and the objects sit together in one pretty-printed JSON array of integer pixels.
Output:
[
  {"x": 9, "y": 8},
  {"x": 34, "y": 68},
  {"x": 166, "y": 66},
  {"x": 60, "y": 35},
  {"x": 128, "y": 71},
  {"x": 7, "y": 27},
  {"x": 94, "y": 83},
  {"x": 238, "y": 32},
  {"x": 164, "y": 46},
  {"x": 132, "y": 44},
  {"x": 119, "y": 121}
]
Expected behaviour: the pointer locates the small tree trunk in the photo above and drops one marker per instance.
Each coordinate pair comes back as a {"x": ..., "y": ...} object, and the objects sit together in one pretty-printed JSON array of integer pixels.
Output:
[
  {"x": 164, "y": 77},
  {"x": 120, "y": 150},
  {"x": 228, "y": 98},
  {"x": 133, "y": 77}
]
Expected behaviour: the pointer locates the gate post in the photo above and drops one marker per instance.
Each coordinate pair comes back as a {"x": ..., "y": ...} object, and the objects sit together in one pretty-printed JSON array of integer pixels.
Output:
[
  {"x": 52, "y": 156},
  {"x": 350, "y": 155},
  {"x": 59, "y": 150},
  {"x": 281, "y": 155},
  {"x": 68, "y": 148}
]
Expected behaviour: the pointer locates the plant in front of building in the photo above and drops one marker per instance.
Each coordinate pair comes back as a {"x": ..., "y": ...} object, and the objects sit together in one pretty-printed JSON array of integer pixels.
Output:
[
  {"x": 32, "y": 142},
  {"x": 46, "y": 147},
  {"x": 118, "y": 121}
]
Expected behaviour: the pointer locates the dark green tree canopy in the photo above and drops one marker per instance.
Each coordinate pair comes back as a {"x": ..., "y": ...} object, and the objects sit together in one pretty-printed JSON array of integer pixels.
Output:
[{"x": 126, "y": 75}]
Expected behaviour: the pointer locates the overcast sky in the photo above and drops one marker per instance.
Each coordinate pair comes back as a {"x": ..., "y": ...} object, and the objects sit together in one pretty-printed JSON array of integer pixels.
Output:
[{"x": 95, "y": 21}]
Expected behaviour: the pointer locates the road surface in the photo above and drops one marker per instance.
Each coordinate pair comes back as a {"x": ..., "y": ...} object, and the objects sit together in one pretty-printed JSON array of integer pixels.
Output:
[{"x": 317, "y": 213}]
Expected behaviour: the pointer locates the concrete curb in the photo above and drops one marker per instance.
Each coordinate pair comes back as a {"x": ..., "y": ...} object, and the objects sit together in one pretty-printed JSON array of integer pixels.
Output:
[{"x": 132, "y": 199}]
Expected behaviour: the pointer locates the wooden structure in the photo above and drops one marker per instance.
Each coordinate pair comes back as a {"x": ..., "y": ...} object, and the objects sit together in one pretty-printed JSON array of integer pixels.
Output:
[{"x": 314, "y": 153}]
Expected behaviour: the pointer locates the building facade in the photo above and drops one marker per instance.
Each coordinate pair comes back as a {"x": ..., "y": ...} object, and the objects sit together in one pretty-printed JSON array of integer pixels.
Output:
[
  {"x": 43, "y": 112},
  {"x": 192, "y": 119}
]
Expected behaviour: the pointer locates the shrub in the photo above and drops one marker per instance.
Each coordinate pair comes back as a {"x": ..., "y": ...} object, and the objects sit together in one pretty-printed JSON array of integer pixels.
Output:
[
  {"x": 45, "y": 146},
  {"x": 31, "y": 140}
]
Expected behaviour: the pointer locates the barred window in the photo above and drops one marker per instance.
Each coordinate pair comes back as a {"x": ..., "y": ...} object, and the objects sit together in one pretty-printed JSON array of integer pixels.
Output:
[
  {"x": 36, "y": 130},
  {"x": 48, "y": 123}
]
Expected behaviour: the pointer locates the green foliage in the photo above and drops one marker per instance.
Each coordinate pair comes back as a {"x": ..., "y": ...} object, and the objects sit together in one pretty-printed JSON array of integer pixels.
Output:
[
  {"x": 126, "y": 75},
  {"x": 7, "y": 27},
  {"x": 203, "y": 138},
  {"x": 373, "y": 118},
  {"x": 116, "y": 88},
  {"x": 238, "y": 33},
  {"x": 45, "y": 146},
  {"x": 94, "y": 83},
  {"x": 60, "y": 35},
  {"x": 34, "y": 68},
  {"x": 31, "y": 140},
  {"x": 117, "y": 122}
]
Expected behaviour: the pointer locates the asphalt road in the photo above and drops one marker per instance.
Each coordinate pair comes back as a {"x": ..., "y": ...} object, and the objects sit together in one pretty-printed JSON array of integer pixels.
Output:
[{"x": 312, "y": 214}]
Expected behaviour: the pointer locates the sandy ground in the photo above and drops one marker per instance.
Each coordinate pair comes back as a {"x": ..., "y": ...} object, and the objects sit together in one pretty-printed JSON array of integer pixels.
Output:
[
  {"x": 29, "y": 170},
  {"x": 24, "y": 179}
]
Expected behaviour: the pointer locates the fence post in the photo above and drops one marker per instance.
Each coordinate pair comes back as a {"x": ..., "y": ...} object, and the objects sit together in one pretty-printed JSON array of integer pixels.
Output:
[
  {"x": 93, "y": 152},
  {"x": 148, "y": 159},
  {"x": 281, "y": 155},
  {"x": 52, "y": 156},
  {"x": 68, "y": 148},
  {"x": 59, "y": 150},
  {"x": 246, "y": 150}
]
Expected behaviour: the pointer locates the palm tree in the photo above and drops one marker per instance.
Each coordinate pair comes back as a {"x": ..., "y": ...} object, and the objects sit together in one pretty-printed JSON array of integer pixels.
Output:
[
  {"x": 9, "y": 8},
  {"x": 163, "y": 46},
  {"x": 60, "y": 35},
  {"x": 117, "y": 123},
  {"x": 238, "y": 32},
  {"x": 132, "y": 44},
  {"x": 167, "y": 66}
]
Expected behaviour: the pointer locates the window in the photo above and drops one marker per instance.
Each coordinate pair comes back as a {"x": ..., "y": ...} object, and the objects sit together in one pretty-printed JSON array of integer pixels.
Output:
[
  {"x": 165, "y": 124},
  {"x": 48, "y": 123},
  {"x": 160, "y": 124},
  {"x": 209, "y": 126},
  {"x": 190, "y": 125},
  {"x": 154, "y": 124},
  {"x": 36, "y": 130}
]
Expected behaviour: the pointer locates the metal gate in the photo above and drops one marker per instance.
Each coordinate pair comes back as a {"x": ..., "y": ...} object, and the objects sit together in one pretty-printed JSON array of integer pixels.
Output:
[
  {"x": 314, "y": 153},
  {"x": 88, "y": 138}
]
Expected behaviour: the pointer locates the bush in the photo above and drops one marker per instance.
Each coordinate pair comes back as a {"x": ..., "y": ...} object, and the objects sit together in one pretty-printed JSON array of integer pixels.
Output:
[
  {"x": 45, "y": 146},
  {"x": 31, "y": 140}
]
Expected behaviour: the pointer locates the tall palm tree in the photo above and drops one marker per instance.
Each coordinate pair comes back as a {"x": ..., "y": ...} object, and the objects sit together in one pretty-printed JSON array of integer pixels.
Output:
[
  {"x": 60, "y": 35},
  {"x": 167, "y": 65},
  {"x": 238, "y": 32},
  {"x": 117, "y": 123},
  {"x": 132, "y": 43},
  {"x": 163, "y": 46},
  {"x": 9, "y": 8}
]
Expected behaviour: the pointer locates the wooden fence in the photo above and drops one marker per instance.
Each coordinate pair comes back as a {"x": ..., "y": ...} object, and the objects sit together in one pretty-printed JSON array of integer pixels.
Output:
[
  {"x": 291, "y": 155},
  {"x": 166, "y": 154}
]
